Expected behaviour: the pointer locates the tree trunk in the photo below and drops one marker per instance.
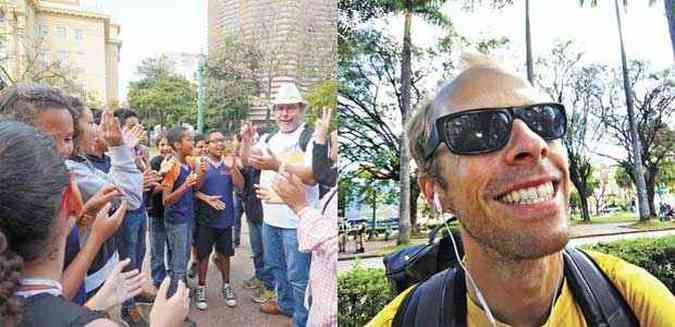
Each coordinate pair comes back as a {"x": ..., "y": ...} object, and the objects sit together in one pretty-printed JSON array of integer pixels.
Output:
[
  {"x": 670, "y": 15},
  {"x": 637, "y": 158},
  {"x": 585, "y": 215},
  {"x": 414, "y": 194},
  {"x": 404, "y": 203},
  {"x": 528, "y": 44},
  {"x": 652, "y": 172},
  {"x": 372, "y": 229}
]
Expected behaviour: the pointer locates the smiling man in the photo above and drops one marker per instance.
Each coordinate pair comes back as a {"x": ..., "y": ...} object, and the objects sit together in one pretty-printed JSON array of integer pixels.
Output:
[{"x": 488, "y": 150}]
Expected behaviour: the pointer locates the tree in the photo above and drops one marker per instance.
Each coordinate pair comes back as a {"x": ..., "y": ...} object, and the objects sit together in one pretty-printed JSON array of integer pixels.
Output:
[
  {"x": 162, "y": 97},
  {"x": 231, "y": 82},
  {"x": 430, "y": 11},
  {"x": 566, "y": 82},
  {"x": 654, "y": 100},
  {"x": 635, "y": 141}
]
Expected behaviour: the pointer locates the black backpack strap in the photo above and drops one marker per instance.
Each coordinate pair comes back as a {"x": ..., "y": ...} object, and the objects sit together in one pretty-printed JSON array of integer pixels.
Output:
[
  {"x": 439, "y": 301},
  {"x": 305, "y": 137},
  {"x": 600, "y": 301}
]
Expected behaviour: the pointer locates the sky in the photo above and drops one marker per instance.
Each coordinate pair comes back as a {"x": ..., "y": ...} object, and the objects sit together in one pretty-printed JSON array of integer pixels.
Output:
[
  {"x": 152, "y": 27},
  {"x": 593, "y": 31}
]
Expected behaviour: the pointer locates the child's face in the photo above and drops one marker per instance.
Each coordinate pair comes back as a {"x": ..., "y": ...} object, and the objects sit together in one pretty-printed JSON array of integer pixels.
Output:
[
  {"x": 186, "y": 144},
  {"x": 164, "y": 148},
  {"x": 200, "y": 148}
]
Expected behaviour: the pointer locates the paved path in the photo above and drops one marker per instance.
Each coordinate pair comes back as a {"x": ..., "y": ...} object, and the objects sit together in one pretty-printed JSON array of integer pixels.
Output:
[
  {"x": 376, "y": 262},
  {"x": 246, "y": 313}
]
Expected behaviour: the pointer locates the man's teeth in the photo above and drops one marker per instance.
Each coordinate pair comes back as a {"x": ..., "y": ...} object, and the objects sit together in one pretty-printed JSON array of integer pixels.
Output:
[{"x": 530, "y": 195}]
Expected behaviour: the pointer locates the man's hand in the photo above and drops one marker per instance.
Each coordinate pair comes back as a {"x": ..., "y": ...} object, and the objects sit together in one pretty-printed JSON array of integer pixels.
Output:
[
  {"x": 214, "y": 201},
  {"x": 105, "y": 226},
  {"x": 201, "y": 169},
  {"x": 170, "y": 312},
  {"x": 291, "y": 190},
  {"x": 133, "y": 136},
  {"x": 268, "y": 195},
  {"x": 110, "y": 128},
  {"x": 92, "y": 207},
  {"x": 262, "y": 162},
  {"x": 118, "y": 287},
  {"x": 322, "y": 126},
  {"x": 247, "y": 133}
]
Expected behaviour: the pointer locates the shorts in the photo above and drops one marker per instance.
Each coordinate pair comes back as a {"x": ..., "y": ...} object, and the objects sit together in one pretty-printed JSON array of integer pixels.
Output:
[{"x": 209, "y": 237}]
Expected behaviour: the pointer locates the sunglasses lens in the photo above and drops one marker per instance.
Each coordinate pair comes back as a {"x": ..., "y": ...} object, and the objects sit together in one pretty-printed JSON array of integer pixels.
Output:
[
  {"x": 547, "y": 120},
  {"x": 477, "y": 132}
]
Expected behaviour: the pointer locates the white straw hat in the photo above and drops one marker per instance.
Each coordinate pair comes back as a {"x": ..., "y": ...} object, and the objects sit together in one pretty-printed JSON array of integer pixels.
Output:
[{"x": 288, "y": 93}]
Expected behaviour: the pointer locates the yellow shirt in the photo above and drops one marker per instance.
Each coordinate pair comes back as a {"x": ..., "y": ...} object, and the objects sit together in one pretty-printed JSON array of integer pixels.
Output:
[{"x": 651, "y": 301}]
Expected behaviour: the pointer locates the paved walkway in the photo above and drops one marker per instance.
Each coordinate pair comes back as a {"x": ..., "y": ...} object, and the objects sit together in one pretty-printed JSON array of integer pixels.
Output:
[
  {"x": 373, "y": 248},
  {"x": 246, "y": 313},
  {"x": 376, "y": 261}
]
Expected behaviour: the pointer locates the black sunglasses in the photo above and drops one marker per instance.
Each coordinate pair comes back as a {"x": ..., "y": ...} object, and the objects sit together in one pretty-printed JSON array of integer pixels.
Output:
[{"x": 489, "y": 129}]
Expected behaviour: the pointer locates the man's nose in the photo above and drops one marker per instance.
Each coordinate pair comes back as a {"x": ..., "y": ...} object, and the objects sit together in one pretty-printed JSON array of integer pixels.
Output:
[{"x": 525, "y": 145}]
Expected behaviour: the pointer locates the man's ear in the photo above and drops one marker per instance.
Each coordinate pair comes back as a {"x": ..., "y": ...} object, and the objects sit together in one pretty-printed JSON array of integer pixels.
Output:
[{"x": 426, "y": 185}]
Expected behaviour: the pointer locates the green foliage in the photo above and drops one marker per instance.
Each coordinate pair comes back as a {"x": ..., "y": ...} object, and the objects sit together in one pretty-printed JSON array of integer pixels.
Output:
[
  {"x": 656, "y": 255},
  {"x": 361, "y": 294},
  {"x": 162, "y": 96},
  {"x": 231, "y": 81},
  {"x": 323, "y": 95}
]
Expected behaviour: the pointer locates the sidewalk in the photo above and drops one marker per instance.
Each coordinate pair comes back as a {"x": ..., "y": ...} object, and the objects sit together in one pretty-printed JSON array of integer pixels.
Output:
[
  {"x": 373, "y": 248},
  {"x": 246, "y": 313}
]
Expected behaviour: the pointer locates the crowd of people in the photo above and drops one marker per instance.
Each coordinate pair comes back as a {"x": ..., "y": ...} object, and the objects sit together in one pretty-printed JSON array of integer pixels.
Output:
[{"x": 81, "y": 192}]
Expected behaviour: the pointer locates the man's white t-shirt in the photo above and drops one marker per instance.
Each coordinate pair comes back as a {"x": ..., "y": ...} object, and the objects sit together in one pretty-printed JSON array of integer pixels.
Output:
[{"x": 286, "y": 147}]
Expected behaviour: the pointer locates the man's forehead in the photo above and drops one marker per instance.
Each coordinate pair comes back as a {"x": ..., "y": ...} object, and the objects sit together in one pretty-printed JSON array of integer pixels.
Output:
[{"x": 484, "y": 87}]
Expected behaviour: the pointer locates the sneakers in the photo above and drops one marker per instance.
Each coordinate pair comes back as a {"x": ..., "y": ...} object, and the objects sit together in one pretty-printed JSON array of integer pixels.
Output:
[
  {"x": 228, "y": 296},
  {"x": 263, "y": 295},
  {"x": 200, "y": 298},
  {"x": 252, "y": 283},
  {"x": 133, "y": 317}
]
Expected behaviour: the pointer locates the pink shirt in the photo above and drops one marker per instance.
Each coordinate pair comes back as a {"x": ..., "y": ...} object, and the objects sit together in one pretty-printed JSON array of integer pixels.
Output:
[{"x": 317, "y": 232}]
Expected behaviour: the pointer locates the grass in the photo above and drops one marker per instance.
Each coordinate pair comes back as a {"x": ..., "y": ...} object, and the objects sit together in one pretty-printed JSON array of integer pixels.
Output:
[{"x": 612, "y": 218}]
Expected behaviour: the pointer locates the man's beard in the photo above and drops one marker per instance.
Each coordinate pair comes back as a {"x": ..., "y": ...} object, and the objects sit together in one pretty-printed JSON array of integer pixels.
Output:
[{"x": 516, "y": 245}]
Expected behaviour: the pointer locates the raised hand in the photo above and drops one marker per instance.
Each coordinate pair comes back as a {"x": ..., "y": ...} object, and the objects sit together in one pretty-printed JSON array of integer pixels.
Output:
[
  {"x": 134, "y": 135},
  {"x": 118, "y": 287},
  {"x": 166, "y": 165},
  {"x": 247, "y": 133},
  {"x": 192, "y": 180},
  {"x": 170, "y": 312},
  {"x": 105, "y": 225},
  {"x": 268, "y": 195},
  {"x": 110, "y": 128},
  {"x": 291, "y": 190},
  {"x": 323, "y": 125},
  {"x": 150, "y": 179},
  {"x": 94, "y": 205},
  {"x": 262, "y": 162}
]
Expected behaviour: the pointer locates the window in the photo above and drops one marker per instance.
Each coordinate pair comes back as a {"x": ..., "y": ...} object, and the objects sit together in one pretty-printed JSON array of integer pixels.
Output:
[
  {"x": 61, "y": 32},
  {"x": 78, "y": 34}
]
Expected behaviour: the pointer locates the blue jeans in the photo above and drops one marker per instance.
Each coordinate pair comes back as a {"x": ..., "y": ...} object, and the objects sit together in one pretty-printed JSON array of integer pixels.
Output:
[
  {"x": 178, "y": 236},
  {"x": 290, "y": 268},
  {"x": 158, "y": 242},
  {"x": 256, "y": 238},
  {"x": 132, "y": 244}
]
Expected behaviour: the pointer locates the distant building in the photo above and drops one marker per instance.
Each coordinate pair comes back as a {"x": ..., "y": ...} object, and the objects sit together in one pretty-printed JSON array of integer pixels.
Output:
[
  {"x": 63, "y": 31},
  {"x": 298, "y": 37}
]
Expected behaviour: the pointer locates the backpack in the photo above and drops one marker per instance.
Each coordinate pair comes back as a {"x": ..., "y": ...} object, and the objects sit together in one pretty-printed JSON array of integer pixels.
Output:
[
  {"x": 305, "y": 136},
  {"x": 440, "y": 300}
]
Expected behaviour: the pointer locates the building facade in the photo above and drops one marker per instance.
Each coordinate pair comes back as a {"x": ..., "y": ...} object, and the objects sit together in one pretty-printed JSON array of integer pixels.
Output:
[
  {"x": 297, "y": 39},
  {"x": 61, "y": 36}
]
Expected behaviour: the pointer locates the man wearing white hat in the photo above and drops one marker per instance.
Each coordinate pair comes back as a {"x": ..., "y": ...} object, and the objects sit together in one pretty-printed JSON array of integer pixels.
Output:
[{"x": 287, "y": 149}]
